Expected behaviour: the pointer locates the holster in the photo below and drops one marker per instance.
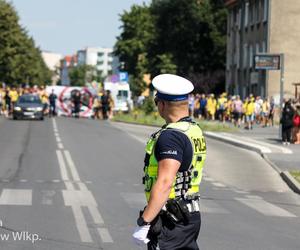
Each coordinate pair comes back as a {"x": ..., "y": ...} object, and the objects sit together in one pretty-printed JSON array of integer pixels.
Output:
[{"x": 177, "y": 211}]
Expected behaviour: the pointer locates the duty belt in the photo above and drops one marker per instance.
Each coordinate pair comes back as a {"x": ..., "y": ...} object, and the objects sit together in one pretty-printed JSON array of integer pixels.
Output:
[{"x": 193, "y": 205}]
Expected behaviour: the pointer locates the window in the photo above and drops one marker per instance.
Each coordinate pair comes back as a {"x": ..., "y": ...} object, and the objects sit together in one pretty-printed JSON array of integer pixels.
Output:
[
  {"x": 265, "y": 10},
  {"x": 257, "y": 50},
  {"x": 237, "y": 50},
  {"x": 240, "y": 18},
  {"x": 251, "y": 13},
  {"x": 263, "y": 47},
  {"x": 246, "y": 14},
  {"x": 245, "y": 56},
  {"x": 251, "y": 56},
  {"x": 257, "y": 12}
]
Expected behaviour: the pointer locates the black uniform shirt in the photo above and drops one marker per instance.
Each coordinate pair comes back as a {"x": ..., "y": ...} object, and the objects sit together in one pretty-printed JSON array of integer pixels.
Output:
[{"x": 173, "y": 144}]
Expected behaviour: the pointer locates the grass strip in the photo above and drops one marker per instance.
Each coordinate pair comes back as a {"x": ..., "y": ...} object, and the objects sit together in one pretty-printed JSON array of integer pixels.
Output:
[
  {"x": 155, "y": 120},
  {"x": 296, "y": 175}
]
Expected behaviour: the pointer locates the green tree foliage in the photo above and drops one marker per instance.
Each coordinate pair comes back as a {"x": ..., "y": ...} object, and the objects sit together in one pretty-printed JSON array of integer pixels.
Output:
[
  {"x": 192, "y": 32},
  {"x": 132, "y": 44},
  {"x": 20, "y": 60},
  {"x": 178, "y": 36},
  {"x": 82, "y": 74}
]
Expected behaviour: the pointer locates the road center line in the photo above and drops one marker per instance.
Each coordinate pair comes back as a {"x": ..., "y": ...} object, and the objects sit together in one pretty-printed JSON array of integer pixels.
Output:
[
  {"x": 81, "y": 224},
  {"x": 74, "y": 171},
  {"x": 96, "y": 215},
  {"x": 63, "y": 170},
  {"x": 105, "y": 236}
]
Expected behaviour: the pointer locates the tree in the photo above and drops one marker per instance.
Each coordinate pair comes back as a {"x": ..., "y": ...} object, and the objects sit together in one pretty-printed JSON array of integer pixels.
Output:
[
  {"x": 176, "y": 36},
  {"x": 131, "y": 46},
  {"x": 81, "y": 74},
  {"x": 20, "y": 60}
]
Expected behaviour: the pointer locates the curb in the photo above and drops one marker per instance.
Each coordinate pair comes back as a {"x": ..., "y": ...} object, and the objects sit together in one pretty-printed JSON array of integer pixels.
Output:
[
  {"x": 291, "y": 182},
  {"x": 285, "y": 175}
]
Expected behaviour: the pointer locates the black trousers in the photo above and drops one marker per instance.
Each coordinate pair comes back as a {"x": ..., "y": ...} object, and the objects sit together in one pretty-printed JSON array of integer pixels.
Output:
[
  {"x": 286, "y": 134},
  {"x": 176, "y": 236}
]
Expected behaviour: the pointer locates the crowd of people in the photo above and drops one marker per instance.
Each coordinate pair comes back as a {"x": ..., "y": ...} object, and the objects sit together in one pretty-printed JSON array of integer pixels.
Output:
[
  {"x": 102, "y": 102},
  {"x": 248, "y": 112}
]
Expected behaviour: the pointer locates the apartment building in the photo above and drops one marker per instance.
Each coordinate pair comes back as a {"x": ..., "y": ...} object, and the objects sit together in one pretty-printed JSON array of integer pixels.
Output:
[
  {"x": 102, "y": 58},
  {"x": 52, "y": 60},
  {"x": 262, "y": 26}
]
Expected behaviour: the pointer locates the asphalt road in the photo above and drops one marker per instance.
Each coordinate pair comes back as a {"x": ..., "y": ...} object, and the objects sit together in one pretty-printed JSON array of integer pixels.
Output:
[{"x": 76, "y": 184}]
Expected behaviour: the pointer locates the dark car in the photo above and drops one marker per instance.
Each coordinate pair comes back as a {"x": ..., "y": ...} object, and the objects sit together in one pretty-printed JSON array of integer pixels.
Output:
[{"x": 28, "y": 106}]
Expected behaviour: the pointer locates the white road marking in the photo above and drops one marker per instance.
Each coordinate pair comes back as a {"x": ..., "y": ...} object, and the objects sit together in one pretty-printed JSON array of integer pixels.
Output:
[
  {"x": 282, "y": 149},
  {"x": 208, "y": 179},
  {"x": 23, "y": 180},
  {"x": 79, "y": 198},
  {"x": 55, "y": 181},
  {"x": 209, "y": 206},
  {"x": 5, "y": 180},
  {"x": 217, "y": 184},
  {"x": 40, "y": 181},
  {"x": 134, "y": 200},
  {"x": 22, "y": 197},
  {"x": 63, "y": 170},
  {"x": 105, "y": 236},
  {"x": 241, "y": 192},
  {"x": 96, "y": 215},
  {"x": 266, "y": 208},
  {"x": 81, "y": 224},
  {"x": 73, "y": 169}
]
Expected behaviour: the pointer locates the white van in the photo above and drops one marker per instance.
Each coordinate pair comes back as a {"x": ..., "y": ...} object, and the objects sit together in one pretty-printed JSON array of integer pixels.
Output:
[{"x": 121, "y": 94}]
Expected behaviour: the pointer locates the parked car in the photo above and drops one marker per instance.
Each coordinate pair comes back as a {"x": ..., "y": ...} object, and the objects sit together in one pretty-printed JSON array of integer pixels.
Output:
[{"x": 28, "y": 106}]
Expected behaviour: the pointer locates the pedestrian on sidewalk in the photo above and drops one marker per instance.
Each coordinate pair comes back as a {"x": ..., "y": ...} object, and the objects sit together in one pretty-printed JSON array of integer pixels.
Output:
[
  {"x": 237, "y": 111},
  {"x": 296, "y": 128},
  {"x": 287, "y": 122},
  {"x": 271, "y": 113},
  {"x": 250, "y": 112}
]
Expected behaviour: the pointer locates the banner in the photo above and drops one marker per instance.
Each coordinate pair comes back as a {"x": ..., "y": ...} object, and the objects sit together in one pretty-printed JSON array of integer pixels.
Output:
[{"x": 64, "y": 104}]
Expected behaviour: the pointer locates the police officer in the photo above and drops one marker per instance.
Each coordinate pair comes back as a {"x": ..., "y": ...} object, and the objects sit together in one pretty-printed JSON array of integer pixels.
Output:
[{"x": 174, "y": 161}]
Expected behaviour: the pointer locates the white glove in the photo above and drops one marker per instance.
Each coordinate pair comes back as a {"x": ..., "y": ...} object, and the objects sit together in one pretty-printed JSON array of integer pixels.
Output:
[{"x": 140, "y": 235}]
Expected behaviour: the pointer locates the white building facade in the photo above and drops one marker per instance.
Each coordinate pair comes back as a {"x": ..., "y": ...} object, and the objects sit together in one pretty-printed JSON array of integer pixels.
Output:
[
  {"x": 101, "y": 58},
  {"x": 52, "y": 60}
]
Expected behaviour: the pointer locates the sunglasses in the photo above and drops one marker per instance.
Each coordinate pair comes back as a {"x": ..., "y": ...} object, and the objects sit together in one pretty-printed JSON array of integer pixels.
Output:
[{"x": 156, "y": 101}]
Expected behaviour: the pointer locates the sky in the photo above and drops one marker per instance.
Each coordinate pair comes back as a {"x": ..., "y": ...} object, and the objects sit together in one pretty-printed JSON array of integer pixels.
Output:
[{"x": 65, "y": 26}]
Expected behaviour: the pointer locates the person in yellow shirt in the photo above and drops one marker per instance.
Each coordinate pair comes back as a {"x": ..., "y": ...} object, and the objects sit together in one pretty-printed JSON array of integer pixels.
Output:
[
  {"x": 211, "y": 107},
  {"x": 250, "y": 109},
  {"x": 14, "y": 97}
]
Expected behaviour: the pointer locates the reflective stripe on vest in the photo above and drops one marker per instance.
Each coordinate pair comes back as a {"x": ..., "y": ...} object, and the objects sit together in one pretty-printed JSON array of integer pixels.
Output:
[{"x": 186, "y": 183}]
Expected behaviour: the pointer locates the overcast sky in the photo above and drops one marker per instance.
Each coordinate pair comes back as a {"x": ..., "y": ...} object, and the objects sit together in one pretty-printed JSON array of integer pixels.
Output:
[{"x": 65, "y": 26}]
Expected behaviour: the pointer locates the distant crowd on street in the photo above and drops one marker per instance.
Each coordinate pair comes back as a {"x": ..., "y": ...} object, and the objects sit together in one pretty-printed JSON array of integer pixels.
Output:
[
  {"x": 102, "y": 102},
  {"x": 253, "y": 110}
]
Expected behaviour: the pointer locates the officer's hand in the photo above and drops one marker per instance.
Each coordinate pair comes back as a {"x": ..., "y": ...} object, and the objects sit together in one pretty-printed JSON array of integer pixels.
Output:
[{"x": 140, "y": 235}]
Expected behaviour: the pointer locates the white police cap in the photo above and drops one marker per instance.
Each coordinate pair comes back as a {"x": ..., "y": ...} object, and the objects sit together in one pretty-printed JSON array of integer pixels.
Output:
[{"x": 172, "y": 87}]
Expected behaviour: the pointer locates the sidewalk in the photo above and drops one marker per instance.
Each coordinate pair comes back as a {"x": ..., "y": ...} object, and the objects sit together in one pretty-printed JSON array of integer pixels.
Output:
[{"x": 266, "y": 142}]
